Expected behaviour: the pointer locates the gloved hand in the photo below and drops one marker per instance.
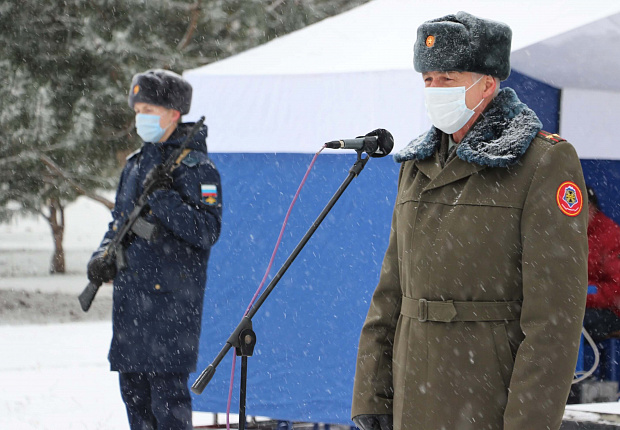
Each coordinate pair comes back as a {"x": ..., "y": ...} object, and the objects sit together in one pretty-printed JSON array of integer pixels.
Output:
[
  {"x": 99, "y": 270},
  {"x": 373, "y": 421},
  {"x": 159, "y": 178}
]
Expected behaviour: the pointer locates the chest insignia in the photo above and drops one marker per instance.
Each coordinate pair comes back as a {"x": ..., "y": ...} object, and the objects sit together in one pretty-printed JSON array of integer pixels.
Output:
[
  {"x": 209, "y": 194},
  {"x": 569, "y": 199}
]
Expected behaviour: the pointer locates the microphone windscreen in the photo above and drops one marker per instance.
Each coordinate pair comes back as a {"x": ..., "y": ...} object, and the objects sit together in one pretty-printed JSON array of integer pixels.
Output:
[{"x": 385, "y": 142}]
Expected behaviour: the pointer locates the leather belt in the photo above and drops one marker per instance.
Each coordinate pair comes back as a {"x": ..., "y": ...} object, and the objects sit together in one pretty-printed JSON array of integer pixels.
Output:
[{"x": 449, "y": 311}]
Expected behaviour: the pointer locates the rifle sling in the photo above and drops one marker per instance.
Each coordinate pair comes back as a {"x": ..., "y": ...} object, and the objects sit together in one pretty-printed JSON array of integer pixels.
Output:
[{"x": 180, "y": 158}]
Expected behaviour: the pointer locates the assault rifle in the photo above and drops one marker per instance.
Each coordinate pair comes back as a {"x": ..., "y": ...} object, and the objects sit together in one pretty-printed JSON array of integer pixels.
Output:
[{"x": 135, "y": 224}]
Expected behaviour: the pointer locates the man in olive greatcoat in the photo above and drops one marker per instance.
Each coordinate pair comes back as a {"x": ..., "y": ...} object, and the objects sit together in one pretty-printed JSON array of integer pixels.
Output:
[
  {"x": 158, "y": 297},
  {"x": 475, "y": 323}
]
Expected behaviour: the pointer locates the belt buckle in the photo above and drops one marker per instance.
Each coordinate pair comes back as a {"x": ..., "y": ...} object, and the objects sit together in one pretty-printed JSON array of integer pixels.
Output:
[{"x": 422, "y": 310}]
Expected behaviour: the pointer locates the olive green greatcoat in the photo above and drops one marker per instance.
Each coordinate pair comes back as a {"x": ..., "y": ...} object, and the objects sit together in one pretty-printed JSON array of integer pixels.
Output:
[{"x": 486, "y": 227}]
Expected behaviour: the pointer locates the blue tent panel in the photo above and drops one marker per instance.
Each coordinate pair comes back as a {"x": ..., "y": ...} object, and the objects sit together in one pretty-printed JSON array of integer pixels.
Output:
[{"x": 307, "y": 331}]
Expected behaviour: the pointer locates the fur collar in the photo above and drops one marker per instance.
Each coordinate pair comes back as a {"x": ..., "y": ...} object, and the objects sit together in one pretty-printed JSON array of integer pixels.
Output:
[{"x": 499, "y": 138}]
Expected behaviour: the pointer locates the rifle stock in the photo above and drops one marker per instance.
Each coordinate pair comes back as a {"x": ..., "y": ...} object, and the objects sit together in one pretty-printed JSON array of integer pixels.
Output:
[{"x": 88, "y": 295}]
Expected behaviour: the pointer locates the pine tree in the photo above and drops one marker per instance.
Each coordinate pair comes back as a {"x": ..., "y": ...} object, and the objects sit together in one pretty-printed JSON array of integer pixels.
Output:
[{"x": 66, "y": 66}]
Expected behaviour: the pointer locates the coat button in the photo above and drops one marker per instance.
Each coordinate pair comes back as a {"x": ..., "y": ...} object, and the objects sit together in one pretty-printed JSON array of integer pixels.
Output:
[{"x": 157, "y": 287}]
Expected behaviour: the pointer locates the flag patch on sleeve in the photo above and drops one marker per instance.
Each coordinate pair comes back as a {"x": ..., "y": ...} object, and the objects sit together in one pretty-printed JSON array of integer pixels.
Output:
[
  {"x": 569, "y": 198},
  {"x": 209, "y": 194}
]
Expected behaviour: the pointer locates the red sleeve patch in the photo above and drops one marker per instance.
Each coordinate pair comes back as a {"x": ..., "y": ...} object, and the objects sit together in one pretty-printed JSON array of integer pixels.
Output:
[{"x": 569, "y": 199}]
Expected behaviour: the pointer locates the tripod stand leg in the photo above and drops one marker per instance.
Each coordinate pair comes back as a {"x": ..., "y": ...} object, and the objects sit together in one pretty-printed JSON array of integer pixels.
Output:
[{"x": 242, "y": 391}]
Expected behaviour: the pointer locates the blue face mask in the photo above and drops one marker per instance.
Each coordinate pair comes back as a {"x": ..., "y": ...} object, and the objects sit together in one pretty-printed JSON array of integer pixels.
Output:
[{"x": 148, "y": 127}]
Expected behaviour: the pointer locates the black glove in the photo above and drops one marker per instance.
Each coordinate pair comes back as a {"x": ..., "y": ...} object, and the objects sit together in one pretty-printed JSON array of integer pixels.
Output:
[
  {"x": 99, "y": 270},
  {"x": 373, "y": 422},
  {"x": 158, "y": 178}
]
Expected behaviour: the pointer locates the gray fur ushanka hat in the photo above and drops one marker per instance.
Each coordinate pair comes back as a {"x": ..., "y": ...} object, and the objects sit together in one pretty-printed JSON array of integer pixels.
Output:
[
  {"x": 161, "y": 88},
  {"x": 463, "y": 43}
]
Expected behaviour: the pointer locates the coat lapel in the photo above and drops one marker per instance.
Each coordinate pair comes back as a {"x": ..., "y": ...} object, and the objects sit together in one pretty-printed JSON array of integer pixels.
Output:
[
  {"x": 431, "y": 166},
  {"x": 455, "y": 170}
]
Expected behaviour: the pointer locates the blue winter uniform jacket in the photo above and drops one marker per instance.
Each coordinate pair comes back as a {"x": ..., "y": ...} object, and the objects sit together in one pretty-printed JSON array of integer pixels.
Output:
[{"x": 158, "y": 298}]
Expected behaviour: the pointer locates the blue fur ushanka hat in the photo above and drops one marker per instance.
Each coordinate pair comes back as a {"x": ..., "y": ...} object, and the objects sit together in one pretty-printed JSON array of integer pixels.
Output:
[
  {"x": 161, "y": 88},
  {"x": 463, "y": 43}
]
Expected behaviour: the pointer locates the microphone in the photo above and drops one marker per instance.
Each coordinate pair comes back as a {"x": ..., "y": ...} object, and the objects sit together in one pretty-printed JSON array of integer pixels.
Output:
[
  {"x": 364, "y": 143},
  {"x": 377, "y": 143}
]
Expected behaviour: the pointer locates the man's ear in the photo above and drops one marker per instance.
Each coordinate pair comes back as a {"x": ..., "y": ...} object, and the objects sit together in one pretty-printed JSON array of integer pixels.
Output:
[
  {"x": 490, "y": 83},
  {"x": 176, "y": 115}
]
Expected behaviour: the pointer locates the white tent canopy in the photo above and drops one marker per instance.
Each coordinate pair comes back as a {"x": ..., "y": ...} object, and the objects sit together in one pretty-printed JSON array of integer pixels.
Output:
[{"x": 349, "y": 74}]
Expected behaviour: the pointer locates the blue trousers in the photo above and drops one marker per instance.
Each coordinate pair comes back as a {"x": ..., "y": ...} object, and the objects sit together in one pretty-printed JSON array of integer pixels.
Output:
[{"x": 157, "y": 401}]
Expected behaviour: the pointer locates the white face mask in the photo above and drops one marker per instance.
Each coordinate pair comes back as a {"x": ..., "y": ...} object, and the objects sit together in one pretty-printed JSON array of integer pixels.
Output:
[{"x": 446, "y": 107}]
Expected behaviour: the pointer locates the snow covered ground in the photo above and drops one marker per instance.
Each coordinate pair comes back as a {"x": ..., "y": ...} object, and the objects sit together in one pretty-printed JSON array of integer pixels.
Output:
[
  {"x": 54, "y": 371},
  {"x": 56, "y": 376}
]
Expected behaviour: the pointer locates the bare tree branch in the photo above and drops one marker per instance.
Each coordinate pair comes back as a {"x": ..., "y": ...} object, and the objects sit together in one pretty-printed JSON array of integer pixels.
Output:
[
  {"x": 59, "y": 172},
  {"x": 193, "y": 22},
  {"x": 31, "y": 153},
  {"x": 40, "y": 211}
]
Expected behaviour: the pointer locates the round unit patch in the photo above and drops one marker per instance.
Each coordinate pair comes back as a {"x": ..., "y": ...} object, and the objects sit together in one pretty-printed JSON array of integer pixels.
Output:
[
  {"x": 430, "y": 41},
  {"x": 569, "y": 198}
]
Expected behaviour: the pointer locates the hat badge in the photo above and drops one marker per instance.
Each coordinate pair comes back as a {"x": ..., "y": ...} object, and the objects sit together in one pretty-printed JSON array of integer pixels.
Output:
[
  {"x": 430, "y": 41},
  {"x": 136, "y": 89}
]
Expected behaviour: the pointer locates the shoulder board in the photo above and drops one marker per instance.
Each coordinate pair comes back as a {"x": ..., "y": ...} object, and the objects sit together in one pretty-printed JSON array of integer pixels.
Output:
[
  {"x": 552, "y": 138},
  {"x": 190, "y": 159},
  {"x": 133, "y": 154}
]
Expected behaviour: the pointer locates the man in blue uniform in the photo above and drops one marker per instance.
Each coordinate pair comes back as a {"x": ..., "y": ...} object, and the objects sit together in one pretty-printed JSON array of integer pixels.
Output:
[{"x": 158, "y": 297}]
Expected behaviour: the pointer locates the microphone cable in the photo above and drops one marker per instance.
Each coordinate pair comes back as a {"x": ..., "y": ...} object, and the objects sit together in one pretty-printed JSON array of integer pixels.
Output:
[
  {"x": 580, "y": 375},
  {"x": 260, "y": 287}
]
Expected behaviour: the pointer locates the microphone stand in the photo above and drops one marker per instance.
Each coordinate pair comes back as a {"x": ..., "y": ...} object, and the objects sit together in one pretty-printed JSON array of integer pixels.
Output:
[{"x": 243, "y": 337}]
